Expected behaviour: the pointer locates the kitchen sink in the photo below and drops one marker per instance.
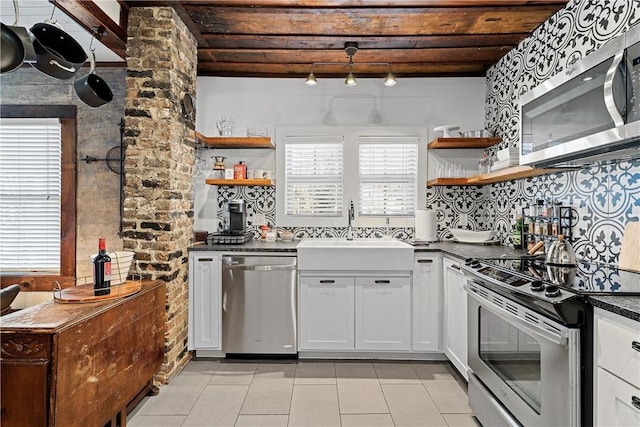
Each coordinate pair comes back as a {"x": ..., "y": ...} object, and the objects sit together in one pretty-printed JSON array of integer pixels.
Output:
[{"x": 354, "y": 255}]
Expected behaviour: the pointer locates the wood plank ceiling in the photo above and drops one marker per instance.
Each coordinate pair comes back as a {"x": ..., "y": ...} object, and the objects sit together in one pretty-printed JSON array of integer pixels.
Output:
[{"x": 283, "y": 38}]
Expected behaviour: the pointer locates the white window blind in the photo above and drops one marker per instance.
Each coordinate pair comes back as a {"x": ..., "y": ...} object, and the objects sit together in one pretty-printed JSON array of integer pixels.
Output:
[
  {"x": 30, "y": 194},
  {"x": 313, "y": 175},
  {"x": 387, "y": 178}
]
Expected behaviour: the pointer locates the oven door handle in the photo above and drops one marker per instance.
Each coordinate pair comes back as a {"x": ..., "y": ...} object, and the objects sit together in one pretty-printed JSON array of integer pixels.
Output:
[{"x": 515, "y": 320}]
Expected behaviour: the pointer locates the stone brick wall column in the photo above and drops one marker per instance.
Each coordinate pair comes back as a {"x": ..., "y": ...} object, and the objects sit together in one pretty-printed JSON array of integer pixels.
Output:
[{"x": 158, "y": 209}]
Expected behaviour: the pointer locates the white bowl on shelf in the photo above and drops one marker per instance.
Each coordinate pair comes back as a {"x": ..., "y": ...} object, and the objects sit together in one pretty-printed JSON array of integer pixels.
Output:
[
  {"x": 446, "y": 129},
  {"x": 470, "y": 236}
]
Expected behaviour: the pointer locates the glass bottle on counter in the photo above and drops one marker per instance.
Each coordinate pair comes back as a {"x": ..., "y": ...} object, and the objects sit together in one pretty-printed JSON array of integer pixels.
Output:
[
  {"x": 516, "y": 236},
  {"x": 102, "y": 270},
  {"x": 539, "y": 207}
]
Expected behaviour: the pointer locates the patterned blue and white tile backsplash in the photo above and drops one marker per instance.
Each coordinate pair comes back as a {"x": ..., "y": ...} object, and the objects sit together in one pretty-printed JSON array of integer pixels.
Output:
[{"x": 603, "y": 197}]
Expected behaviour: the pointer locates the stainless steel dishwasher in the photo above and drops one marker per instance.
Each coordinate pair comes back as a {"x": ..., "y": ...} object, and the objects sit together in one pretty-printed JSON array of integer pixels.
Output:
[{"x": 259, "y": 305}]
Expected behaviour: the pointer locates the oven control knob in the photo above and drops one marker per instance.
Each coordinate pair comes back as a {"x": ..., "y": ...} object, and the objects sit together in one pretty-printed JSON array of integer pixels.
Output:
[
  {"x": 476, "y": 264},
  {"x": 469, "y": 261},
  {"x": 537, "y": 286},
  {"x": 552, "y": 291}
]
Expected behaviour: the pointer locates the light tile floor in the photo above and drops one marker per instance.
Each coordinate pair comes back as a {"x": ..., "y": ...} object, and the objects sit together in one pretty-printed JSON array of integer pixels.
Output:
[{"x": 308, "y": 393}]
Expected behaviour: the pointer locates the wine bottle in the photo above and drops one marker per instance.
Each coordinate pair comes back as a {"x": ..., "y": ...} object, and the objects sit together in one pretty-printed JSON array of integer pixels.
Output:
[
  {"x": 517, "y": 233},
  {"x": 102, "y": 270}
]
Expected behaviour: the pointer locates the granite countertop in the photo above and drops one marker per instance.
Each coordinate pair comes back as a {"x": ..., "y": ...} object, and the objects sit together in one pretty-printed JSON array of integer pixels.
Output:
[
  {"x": 459, "y": 250},
  {"x": 252, "y": 246},
  {"x": 627, "y": 306},
  {"x": 466, "y": 250}
]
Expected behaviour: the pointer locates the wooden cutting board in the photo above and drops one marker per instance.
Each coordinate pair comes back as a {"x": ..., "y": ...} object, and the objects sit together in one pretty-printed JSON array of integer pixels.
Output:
[
  {"x": 85, "y": 293},
  {"x": 629, "y": 258}
]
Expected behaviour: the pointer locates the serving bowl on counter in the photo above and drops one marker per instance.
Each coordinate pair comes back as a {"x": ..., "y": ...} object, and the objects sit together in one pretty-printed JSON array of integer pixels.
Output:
[
  {"x": 286, "y": 236},
  {"x": 471, "y": 236}
]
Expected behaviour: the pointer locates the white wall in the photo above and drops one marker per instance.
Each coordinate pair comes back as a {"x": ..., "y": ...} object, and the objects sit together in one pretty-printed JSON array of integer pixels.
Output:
[{"x": 273, "y": 103}]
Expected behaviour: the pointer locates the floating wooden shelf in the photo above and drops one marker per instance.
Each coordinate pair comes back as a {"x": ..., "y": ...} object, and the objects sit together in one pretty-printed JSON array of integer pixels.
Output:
[
  {"x": 448, "y": 181},
  {"x": 257, "y": 182},
  {"x": 463, "y": 143},
  {"x": 236, "y": 141},
  {"x": 507, "y": 174}
]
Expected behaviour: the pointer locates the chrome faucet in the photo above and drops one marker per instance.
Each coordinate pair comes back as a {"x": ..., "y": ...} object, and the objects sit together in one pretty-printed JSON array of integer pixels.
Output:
[{"x": 351, "y": 216}]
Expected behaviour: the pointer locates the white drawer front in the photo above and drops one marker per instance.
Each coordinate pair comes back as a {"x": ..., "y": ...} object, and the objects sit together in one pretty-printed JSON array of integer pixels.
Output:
[
  {"x": 618, "y": 349},
  {"x": 615, "y": 401}
]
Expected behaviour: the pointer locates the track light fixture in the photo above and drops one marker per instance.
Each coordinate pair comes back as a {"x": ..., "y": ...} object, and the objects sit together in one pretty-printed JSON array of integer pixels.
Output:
[{"x": 351, "y": 48}]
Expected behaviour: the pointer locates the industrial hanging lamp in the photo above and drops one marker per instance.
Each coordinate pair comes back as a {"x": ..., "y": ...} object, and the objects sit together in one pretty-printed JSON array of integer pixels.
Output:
[{"x": 351, "y": 48}]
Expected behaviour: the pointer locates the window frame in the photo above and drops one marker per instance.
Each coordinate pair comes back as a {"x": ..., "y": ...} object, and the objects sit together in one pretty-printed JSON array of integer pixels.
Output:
[
  {"x": 67, "y": 114},
  {"x": 302, "y": 220},
  {"x": 351, "y": 174},
  {"x": 388, "y": 140}
]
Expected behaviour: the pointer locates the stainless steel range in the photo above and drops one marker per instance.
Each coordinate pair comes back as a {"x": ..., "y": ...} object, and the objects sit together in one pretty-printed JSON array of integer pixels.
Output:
[{"x": 530, "y": 341}]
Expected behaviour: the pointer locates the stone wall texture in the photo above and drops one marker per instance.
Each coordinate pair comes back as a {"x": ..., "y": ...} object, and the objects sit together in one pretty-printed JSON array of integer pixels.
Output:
[{"x": 161, "y": 68}]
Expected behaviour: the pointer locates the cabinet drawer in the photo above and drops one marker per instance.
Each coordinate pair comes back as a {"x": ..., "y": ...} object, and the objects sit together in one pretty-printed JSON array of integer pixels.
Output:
[
  {"x": 326, "y": 281},
  {"x": 618, "y": 403},
  {"x": 618, "y": 349},
  {"x": 383, "y": 281}
]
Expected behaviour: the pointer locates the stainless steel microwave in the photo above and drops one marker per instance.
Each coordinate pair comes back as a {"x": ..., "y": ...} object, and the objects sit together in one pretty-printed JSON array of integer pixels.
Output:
[{"x": 587, "y": 113}]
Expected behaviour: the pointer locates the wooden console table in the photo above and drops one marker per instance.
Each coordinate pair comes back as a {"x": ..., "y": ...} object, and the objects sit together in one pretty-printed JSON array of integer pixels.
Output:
[{"x": 80, "y": 364}]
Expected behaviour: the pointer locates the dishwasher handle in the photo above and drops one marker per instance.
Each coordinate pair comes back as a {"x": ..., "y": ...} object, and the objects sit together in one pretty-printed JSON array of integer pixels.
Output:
[{"x": 249, "y": 267}]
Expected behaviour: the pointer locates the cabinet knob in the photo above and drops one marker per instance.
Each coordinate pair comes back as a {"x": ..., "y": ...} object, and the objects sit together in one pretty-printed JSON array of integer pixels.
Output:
[{"x": 635, "y": 345}]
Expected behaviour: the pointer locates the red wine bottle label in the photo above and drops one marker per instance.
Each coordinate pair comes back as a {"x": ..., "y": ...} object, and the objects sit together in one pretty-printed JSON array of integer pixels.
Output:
[{"x": 107, "y": 271}]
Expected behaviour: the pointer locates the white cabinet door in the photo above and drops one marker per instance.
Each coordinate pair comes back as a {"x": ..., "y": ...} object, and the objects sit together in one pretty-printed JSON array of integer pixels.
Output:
[
  {"x": 427, "y": 302},
  {"x": 455, "y": 321},
  {"x": 325, "y": 313},
  {"x": 616, "y": 347},
  {"x": 383, "y": 313},
  {"x": 617, "y": 402},
  {"x": 204, "y": 301}
]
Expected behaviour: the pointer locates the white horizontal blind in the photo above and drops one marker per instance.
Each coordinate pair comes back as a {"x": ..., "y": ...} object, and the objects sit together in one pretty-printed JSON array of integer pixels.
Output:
[
  {"x": 388, "y": 167},
  {"x": 313, "y": 175},
  {"x": 30, "y": 194}
]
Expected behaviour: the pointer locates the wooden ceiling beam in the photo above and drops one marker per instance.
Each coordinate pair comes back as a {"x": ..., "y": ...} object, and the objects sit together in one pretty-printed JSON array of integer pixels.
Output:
[
  {"x": 394, "y": 56},
  {"x": 368, "y": 22},
  {"x": 88, "y": 15},
  {"x": 244, "y": 41},
  {"x": 362, "y": 70},
  {"x": 375, "y": 3}
]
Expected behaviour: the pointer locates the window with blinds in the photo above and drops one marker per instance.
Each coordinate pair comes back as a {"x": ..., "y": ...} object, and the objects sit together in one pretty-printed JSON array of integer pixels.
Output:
[
  {"x": 387, "y": 176},
  {"x": 30, "y": 195},
  {"x": 313, "y": 176}
]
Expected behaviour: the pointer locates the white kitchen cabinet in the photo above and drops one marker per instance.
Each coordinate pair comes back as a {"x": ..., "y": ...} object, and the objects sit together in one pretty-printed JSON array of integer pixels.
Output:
[
  {"x": 205, "y": 291},
  {"x": 427, "y": 302},
  {"x": 617, "y": 370},
  {"x": 383, "y": 313},
  {"x": 326, "y": 313},
  {"x": 455, "y": 315},
  {"x": 615, "y": 401}
]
